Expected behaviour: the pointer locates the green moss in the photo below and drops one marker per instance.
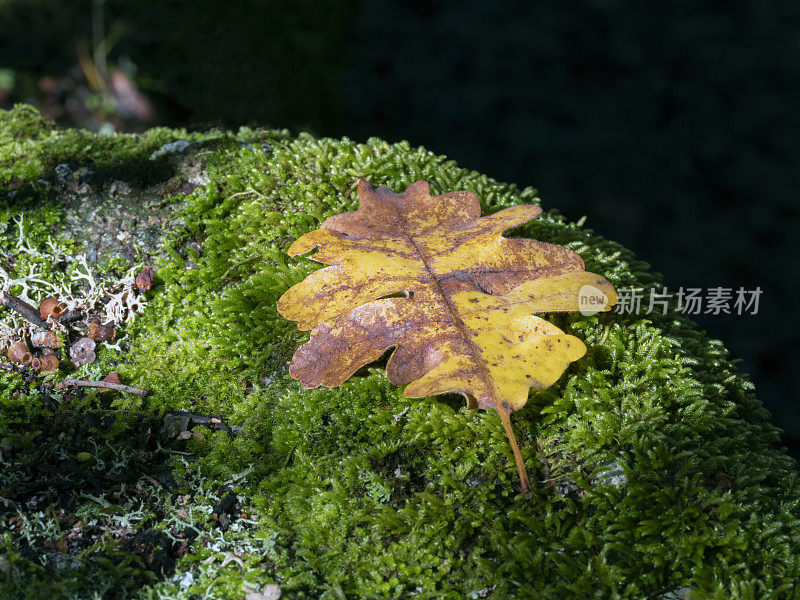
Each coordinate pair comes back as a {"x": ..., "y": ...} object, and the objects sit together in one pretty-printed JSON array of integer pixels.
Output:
[
  {"x": 351, "y": 498},
  {"x": 31, "y": 148}
]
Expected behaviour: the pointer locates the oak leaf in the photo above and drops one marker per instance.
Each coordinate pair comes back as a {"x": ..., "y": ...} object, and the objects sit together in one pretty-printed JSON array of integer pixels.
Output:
[{"x": 431, "y": 278}]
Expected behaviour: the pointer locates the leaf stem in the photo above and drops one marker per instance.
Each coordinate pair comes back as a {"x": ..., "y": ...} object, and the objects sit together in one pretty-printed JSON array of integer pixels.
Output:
[{"x": 523, "y": 475}]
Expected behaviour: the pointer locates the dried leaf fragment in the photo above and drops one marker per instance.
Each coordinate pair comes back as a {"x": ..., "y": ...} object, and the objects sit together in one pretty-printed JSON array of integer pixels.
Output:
[
  {"x": 48, "y": 362},
  {"x": 18, "y": 352},
  {"x": 144, "y": 280},
  {"x": 50, "y": 307},
  {"x": 101, "y": 333},
  {"x": 45, "y": 339},
  {"x": 270, "y": 591},
  {"x": 82, "y": 352},
  {"x": 110, "y": 378},
  {"x": 431, "y": 278}
]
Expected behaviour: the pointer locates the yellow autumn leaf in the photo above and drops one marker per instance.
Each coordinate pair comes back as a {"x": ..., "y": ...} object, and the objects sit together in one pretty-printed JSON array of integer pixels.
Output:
[{"x": 431, "y": 278}]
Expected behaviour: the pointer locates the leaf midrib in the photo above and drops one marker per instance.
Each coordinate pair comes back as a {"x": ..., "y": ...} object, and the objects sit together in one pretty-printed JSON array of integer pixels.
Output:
[{"x": 454, "y": 314}]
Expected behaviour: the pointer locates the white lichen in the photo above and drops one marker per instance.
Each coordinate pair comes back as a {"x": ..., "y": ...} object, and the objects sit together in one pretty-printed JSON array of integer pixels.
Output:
[{"x": 117, "y": 301}]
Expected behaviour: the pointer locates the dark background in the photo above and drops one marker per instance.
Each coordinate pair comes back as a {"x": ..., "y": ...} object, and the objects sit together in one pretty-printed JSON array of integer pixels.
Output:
[{"x": 672, "y": 126}]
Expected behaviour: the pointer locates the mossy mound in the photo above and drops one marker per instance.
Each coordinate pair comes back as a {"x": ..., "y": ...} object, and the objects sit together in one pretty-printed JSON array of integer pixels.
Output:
[{"x": 656, "y": 470}]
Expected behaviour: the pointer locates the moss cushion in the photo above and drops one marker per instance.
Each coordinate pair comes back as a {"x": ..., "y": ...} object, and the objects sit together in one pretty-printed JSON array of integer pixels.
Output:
[{"x": 655, "y": 470}]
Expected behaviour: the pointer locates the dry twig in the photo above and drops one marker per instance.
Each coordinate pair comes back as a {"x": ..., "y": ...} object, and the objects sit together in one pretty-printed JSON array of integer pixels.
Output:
[
  {"x": 101, "y": 384},
  {"x": 22, "y": 308}
]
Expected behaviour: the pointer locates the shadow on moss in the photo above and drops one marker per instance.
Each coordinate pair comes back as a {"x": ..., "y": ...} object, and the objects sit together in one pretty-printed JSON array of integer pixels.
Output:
[{"x": 75, "y": 481}]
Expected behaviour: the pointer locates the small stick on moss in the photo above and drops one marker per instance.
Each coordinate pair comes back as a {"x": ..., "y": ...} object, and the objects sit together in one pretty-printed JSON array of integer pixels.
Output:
[
  {"x": 70, "y": 315},
  {"x": 22, "y": 308},
  {"x": 101, "y": 384}
]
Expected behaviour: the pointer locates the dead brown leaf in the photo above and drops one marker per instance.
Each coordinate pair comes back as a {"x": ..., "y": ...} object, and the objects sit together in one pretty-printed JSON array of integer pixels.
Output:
[{"x": 431, "y": 278}]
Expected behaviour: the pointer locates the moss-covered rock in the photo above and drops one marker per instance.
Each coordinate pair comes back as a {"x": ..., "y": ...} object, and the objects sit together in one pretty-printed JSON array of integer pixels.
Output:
[{"x": 656, "y": 468}]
